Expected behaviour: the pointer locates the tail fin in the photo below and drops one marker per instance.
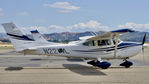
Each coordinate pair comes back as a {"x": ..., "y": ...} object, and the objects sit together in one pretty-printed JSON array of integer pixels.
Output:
[
  {"x": 17, "y": 38},
  {"x": 37, "y": 36},
  {"x": 40, "y": 39}
]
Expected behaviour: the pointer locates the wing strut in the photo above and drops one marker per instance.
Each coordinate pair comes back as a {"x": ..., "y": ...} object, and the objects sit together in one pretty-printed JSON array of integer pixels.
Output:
[{"x": 116, "y": 43}]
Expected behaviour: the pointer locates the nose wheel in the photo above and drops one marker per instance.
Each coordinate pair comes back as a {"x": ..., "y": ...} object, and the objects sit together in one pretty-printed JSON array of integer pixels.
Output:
[{"x": 126, "y": 64}]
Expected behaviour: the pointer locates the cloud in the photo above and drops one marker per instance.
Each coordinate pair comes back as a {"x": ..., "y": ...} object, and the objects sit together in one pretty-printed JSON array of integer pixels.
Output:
[
  {"x": 1, "y": 14},
  {"x": 56, "y": 27},
  {"x": 1, "y": 9},
  {"x": 44, "y": 30},
  {"x": 64, "y": 11},
  {"x": 64, "y": 7},
  {"x": 23, "y": 13},
  {"x": 132, "y": 25},
  {"x": 91, "y": 25}
]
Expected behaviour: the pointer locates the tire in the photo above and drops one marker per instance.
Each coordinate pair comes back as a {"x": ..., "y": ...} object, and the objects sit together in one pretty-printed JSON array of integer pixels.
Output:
[{"x": 127, "y": 66}]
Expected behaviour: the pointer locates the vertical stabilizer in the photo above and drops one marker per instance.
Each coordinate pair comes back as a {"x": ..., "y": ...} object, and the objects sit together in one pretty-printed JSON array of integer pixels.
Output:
[{"x": 17, "y": 38}]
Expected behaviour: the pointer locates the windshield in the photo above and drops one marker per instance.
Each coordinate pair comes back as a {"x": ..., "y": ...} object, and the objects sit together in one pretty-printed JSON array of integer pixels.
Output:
[{"x": 115, "y": 42}]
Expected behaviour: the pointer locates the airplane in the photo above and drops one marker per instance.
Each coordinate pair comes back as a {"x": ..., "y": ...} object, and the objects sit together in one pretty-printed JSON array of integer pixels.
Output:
[{"x": 106, "y": 46}]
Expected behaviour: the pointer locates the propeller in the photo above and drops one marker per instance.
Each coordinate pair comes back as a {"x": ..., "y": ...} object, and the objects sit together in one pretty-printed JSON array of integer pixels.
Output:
[
  {"x": 144, "y": 38},
  {"x": 143, "y": 41}
]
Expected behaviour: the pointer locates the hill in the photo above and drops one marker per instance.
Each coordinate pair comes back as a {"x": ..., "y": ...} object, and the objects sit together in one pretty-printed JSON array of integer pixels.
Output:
[{"x": 72, "y": 36}]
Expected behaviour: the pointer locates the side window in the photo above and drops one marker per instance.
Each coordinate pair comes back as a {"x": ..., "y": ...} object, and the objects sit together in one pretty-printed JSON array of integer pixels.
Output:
[
  {"x": 103, "y": 42},
  {"x": 108, "y": 42},
  {"x": 97, "y": 43},
  {"x": 86, "y": 44},
  {"x": 90, "y": 43},
  {"x": 115, "y": 42}
]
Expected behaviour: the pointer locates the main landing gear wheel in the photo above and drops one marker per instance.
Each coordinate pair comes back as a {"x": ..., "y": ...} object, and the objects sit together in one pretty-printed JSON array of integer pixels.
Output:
[
  {"x": 103, "y": 65},
  {"x": 126, "y": 64}
]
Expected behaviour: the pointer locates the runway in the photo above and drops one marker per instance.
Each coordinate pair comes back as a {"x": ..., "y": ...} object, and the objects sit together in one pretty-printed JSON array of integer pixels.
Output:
[{"x": 17, "y": 68}]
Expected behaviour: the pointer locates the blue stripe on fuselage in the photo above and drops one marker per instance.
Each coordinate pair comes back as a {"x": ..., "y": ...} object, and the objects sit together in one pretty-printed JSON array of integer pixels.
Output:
[
  {"x": 20, "y": 37},
  {"x": 120, "y": 46}
]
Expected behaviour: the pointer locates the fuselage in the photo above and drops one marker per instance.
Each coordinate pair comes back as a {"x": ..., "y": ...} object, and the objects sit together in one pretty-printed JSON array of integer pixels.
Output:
[{"x": 77, "y": 49}]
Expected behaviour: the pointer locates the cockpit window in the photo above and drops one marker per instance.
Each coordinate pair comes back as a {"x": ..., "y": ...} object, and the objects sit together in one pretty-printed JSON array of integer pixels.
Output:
[
  {"x": 97, "y": 43},
  {"x": 86, "y": 44},
  {"x": 103, "y": 42},
  {"x": 90, "y": 43}
]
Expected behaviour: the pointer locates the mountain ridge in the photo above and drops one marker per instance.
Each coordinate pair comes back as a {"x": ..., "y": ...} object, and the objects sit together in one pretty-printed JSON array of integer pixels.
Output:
[{"x": 72, "y": 36}]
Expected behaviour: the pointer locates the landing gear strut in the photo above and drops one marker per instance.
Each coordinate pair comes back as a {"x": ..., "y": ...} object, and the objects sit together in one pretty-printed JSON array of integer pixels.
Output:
[
  {"x": 103, "y": 65},
  {"x": 126, "y": 64}
]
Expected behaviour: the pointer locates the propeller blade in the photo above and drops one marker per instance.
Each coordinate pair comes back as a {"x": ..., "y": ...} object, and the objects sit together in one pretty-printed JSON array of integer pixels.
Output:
[
  {"x": 143, "y": 41},
  {"x": 144, "y": 38}
]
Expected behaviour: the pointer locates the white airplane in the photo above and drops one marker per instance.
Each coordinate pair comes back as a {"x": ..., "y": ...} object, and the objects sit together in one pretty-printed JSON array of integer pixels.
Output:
[{"x": 102, "y": 47}]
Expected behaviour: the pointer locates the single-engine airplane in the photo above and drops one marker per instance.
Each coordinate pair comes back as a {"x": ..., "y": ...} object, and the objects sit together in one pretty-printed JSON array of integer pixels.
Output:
[{"x": 101, "y": 47}]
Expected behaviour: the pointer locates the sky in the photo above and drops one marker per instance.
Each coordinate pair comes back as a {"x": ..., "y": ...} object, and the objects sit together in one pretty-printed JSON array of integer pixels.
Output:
[{"x": 50, "y": 16}]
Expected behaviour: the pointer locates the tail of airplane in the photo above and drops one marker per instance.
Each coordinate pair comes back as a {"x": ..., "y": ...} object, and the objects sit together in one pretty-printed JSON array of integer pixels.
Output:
[
  {"x": 40, "y": 39},
  {"x": 17, "y": 38},
  {"x": 37, "y": 36}
]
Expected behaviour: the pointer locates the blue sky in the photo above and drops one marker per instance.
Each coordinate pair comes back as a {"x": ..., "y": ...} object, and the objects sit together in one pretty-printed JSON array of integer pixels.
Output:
[{"x": 75, "y": 15}]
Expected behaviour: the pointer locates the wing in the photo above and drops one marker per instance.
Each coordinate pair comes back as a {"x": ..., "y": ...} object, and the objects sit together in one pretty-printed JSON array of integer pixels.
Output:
[{"x": 111, "y": 34}]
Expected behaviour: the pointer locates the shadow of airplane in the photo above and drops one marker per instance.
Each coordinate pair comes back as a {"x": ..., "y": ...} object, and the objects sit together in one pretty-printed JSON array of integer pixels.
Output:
[
  {"x": 10, "y": 53},
  {"x": 75, "y": 60},
  {"x": 13, "y": 68},
  {"x": 37, "y": 59},
  {"x": 83, "y": 70}
]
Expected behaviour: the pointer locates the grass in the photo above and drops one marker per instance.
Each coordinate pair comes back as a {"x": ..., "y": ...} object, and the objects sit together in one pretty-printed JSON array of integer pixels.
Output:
[{"x": 6, "y": 46}]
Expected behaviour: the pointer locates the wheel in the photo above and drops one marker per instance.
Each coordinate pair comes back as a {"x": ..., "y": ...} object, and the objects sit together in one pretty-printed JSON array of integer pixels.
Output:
[
  {"x": 104, "y": 65},
  {"x": 93, "y": 63},
  {"x": 126, "y": 64}
]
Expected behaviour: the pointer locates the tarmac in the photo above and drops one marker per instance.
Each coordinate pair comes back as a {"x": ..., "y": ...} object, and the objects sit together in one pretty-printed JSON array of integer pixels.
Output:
[{"x": 16, "y": 68}]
